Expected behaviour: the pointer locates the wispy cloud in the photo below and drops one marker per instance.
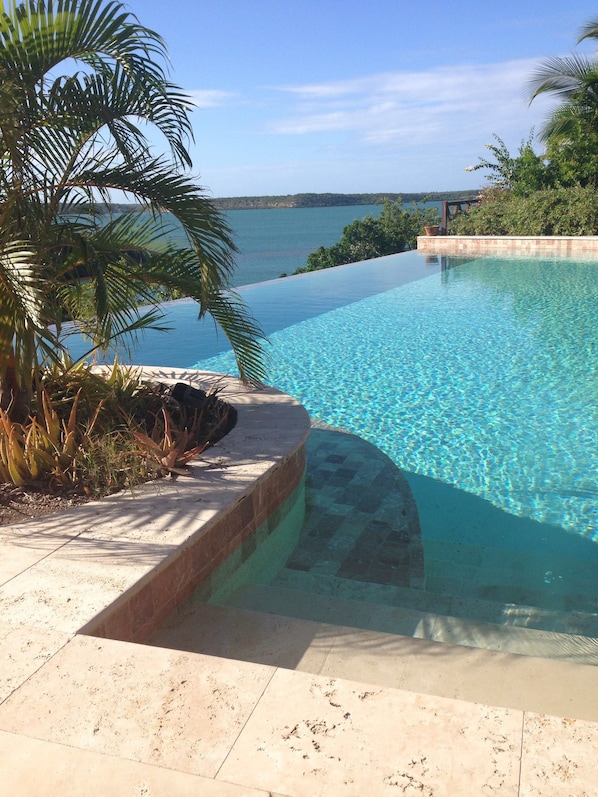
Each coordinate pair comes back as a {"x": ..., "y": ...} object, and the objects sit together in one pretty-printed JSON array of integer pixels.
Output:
[
  {"x": 397, "y": 107},
  {"x": 210, "y": 98}
]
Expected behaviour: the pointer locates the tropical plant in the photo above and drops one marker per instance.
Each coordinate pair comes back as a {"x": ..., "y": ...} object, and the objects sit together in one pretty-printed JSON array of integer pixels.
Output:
[
  {"x": 79, "y": 80},
  {"x": 523, "y": 173},
  {"x": 571, "y": 129},
  {"x": 561, "y": 210},
  {"x": 95, "y": 433},
  {"x": 573, "y": 80}
]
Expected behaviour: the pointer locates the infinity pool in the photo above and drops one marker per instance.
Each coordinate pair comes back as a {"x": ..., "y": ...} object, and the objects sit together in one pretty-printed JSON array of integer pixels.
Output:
[{"x": 478, "y": 379}]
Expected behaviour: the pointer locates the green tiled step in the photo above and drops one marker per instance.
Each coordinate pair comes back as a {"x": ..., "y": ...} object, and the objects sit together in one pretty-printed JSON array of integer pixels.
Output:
[
  {"x": 441, "y": 603},
  {"x": 415, "y": 623}
]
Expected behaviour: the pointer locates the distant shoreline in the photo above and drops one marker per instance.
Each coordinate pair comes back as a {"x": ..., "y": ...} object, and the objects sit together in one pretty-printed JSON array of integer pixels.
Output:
[
  {"x": 330, "y": 200},
  {"x": 309, "y": 200}
]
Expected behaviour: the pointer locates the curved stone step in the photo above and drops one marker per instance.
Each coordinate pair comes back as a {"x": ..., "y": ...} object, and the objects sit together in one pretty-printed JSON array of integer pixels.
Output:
[{"x": 474, "y": 609}]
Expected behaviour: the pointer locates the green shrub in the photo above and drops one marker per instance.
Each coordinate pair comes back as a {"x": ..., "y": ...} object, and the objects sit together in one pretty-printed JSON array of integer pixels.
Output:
[
  {"x": 549, "y": 211},
  {"x": 96, "y": 433}
]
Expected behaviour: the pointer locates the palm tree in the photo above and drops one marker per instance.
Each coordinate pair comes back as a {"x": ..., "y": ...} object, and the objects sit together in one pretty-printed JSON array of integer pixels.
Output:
[
  {"x": 78, "y": 79},
  {"x": 573, "y": 80}
]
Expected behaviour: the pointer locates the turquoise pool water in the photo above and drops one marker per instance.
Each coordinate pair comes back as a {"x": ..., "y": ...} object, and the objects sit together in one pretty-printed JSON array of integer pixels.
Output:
[
  {"x": 483, "y": 377},
  {"x": 480, "y": 382}
]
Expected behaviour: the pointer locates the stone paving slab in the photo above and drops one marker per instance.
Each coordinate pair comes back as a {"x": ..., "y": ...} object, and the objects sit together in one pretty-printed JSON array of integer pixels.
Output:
[
  {"x": 63, "y": 594},
  {"x": 32, "y": 768},
  {"x": 558, "y": 757},
  {"x": 316, "y": 736},
  {"x": 155, "y": 706},
  {"x": 23, "y": 651}
]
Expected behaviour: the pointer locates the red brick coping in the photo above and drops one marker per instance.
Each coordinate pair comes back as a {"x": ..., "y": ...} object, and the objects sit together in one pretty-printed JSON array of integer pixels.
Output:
[{"x": 548, "y": 245}]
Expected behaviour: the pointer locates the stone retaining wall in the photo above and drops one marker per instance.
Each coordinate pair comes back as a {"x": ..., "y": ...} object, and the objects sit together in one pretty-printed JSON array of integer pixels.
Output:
[{"x": 549, "y": 245}]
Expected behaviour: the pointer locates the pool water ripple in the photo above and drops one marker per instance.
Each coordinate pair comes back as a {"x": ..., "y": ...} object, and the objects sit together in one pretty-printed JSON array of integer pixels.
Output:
[{"x": 484, "y": 379}]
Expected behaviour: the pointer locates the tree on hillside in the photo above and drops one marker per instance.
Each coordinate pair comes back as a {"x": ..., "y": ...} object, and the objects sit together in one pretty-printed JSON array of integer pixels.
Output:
[
  {"x": 521, "y": 173},
  {"x": 79, "y": 80}
]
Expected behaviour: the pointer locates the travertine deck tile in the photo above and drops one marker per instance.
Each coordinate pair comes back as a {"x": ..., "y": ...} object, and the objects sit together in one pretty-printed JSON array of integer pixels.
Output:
[
  {"x": 155, "y": 706},
  {"x": 24, "y": 548},
  {"x": 312, "y": 736},
  {"x": 23, "y": 651},
  {"x": 32, "y": 768},
  {"x": 63, "y": 594},
  {"x": 558, "y": 757}
]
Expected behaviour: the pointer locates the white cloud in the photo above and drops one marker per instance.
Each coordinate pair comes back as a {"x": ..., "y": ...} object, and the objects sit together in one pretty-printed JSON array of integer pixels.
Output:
[{"x": 396, "y": 108}]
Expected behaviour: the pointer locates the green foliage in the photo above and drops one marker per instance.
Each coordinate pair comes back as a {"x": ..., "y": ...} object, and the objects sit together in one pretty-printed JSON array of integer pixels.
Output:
[
  {"x": 555, "y": 193},
  {"x": 95, "y": 433},
  {"x": 44, "y": 449},
  {"x": 326, "y": 200},
  {"x": 394, "y": 230},
  {"x": 550, "y": 211},
  {"x": 571, "y": 129},
  {"x": 80, "y": 83},
  {"x": 522, "y": 174},
  {"x": 574, "y": 159}
]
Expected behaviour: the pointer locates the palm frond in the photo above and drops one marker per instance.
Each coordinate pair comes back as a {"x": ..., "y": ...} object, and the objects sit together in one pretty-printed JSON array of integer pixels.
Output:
[
  {"x": 563, "y": 77},
  {"x": 244, "y": 334},
  {"x": 68, "y": 138},
  {"x": 589, "y": 31}
]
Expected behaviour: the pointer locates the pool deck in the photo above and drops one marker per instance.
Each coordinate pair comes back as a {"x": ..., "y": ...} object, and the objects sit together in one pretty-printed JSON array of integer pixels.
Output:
[{"x": 255, "y": 704}]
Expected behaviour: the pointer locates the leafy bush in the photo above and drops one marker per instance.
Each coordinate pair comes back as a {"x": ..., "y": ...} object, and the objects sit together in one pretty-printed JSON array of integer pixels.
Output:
[{"x": 550, "y": 211}]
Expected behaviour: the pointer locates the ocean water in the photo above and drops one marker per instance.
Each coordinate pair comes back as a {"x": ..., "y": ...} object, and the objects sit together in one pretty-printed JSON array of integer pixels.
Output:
[{"x": 279, "y": 240}]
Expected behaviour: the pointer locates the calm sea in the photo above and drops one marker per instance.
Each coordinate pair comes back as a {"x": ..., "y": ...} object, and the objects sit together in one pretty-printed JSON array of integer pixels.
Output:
[{"x": 276, "y": 241}]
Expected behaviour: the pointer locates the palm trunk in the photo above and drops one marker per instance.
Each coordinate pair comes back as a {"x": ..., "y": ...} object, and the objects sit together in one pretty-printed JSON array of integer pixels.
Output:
[{"x": 15, "y": 399}]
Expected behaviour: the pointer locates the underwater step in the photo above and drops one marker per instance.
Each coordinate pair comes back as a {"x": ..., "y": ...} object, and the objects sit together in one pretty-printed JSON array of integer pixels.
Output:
[
  {"x": 442, "y": 603},
  {"x": 542, "y": 685},
  {"x": 415, "y": 623}
]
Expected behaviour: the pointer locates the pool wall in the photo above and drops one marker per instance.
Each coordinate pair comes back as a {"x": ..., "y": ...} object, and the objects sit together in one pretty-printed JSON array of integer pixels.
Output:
[{"x": 529, "y": 246}]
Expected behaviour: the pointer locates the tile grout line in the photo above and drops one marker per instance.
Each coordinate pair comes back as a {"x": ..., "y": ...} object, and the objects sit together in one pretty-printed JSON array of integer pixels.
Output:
[
  {"x": 523, "y": 713},
  {"x": 244, "y": 725},
  {"x": 31, "y": 674},
  {"x": 46, "y": 556}
]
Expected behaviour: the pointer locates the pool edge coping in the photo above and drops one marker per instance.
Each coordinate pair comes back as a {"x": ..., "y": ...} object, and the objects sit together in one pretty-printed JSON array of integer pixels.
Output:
[{"x": 583, "y": 246}]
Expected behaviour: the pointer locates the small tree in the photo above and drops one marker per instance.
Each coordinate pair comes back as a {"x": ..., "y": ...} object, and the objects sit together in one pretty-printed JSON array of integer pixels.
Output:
[
  {"x": 394, "y": 230},
  {"x": 522, "y": 174}
]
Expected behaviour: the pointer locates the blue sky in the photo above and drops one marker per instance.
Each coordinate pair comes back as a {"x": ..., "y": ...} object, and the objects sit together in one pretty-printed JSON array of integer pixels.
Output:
[{"x": 332, "y": 95}]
